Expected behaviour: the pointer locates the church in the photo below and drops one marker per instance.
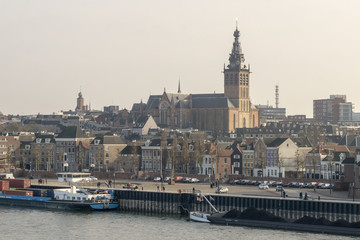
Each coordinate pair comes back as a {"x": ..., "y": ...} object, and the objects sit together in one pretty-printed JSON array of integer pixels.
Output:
[{"x": 216, "y": 112}]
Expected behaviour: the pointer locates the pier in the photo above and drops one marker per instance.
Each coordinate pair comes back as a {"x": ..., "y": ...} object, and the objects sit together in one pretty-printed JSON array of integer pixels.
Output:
[{"x": 179, "y": 203}]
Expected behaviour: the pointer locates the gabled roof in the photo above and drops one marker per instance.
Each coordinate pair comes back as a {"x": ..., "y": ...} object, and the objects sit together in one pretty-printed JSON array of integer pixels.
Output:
[
  {"x": 109, "y": 140},
  {"x": 72, "y": 132},
  {"x": 137, "y": 106},
  {"x": 141, "y": 121},
  {"x": 225, "y": 152},
  {"x": 128, "y": 150},
  {"x": 302, "y": 142},
  {"x": 153, "y": 102},
  {"x": 277, "y": 142},
  {"x": 349, "y": 161}
]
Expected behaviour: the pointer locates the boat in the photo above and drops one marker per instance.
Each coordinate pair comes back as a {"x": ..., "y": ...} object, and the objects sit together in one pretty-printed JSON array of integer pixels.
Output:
[
  {"x": 69, "y": 198},
  {"x": 198, "y": 216}
]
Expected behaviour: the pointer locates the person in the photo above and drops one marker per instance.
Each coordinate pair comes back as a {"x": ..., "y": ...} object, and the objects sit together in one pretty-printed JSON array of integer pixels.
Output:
[
  {"x": 305, "y": 197},
  {"x": 163, "y": 189},
  {"x": 319, "y": 197},
  {"x": 300, "y": 195},
  {"x": 158, "y": 188},
  {"x": 98, "y": 184},
  {"x": 314, "y": 188},
  {"x": 193, "y": 190},
  {"x": 110, "y": 182}
]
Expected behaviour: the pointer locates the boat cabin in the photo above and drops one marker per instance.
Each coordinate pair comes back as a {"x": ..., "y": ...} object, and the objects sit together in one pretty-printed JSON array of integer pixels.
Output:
[{"x": 73, "y": 177}]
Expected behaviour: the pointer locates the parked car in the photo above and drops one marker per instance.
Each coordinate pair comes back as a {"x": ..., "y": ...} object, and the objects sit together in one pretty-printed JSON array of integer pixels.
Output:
[
  {"x": 194, "y": 180},
  {"x": 263, "y": 186},
  {"x": 185, "y": 179},
  {"x": 222, "y": 190},
  {"x": 331, "y": 186},
  {"x": 167, "y": 179},
  {"x": 279, "y": 188},
  {"x": 157, "y": 179},
  {"x": 233, "y": 182},
  {"x": 325, "y": 185},
  {"x": 178, "y": 179},
  {"x": 130, "y": 186}
]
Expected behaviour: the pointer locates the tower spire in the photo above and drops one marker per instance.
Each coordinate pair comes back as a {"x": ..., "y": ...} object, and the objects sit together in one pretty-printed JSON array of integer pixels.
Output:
[
  {"x": 236, "y": 58},
  {"x": 179, "y": 90}
]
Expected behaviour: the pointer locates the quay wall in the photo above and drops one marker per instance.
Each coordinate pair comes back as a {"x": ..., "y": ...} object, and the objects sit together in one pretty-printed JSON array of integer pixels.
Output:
[{"x": 176, "y": 203}]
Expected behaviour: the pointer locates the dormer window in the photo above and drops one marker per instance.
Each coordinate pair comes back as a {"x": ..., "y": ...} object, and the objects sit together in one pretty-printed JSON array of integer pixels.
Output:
[
  {"x": 97, "y": 141},
  {"x": 27, "y": 147},
  {"x": 38, "y": 140},
  {"x": 47, "y": 140}
]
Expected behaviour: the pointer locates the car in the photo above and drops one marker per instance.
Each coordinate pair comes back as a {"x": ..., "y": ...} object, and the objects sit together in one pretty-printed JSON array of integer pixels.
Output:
[
  {"x": 130, "y": 186},
  {"x": 263, "y": 186},
  {"x": 92, "y": 178},
  {"x": 325, "y": 185},
  {"x": 185, "y": 179},
  {"x": 222, "y": 190},
  {"x": 194, "y": 180},
  {"x": 167, "y": 179},
  {"x": 233, "y": 182},
  {"x": 279, "y": 188},
  {"x": 157, "y": 179}
]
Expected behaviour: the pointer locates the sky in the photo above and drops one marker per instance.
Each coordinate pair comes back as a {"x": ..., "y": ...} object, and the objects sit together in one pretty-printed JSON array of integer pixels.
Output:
[{"x": 119, "y": 52}]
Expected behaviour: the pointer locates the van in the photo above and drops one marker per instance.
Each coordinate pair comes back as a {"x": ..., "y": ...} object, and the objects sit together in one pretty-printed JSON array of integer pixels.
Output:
[{"x": 6, "y": 176}]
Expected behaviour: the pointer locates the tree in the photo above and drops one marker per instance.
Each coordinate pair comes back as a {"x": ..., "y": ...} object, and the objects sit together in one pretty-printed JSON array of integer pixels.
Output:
[
  {"x": 198, "y": 154},
  {"x": 300, "y": 162},
  {"x": 164, "y": 153},
  {"x": 119, "y": 160},
  {"x": 9, "y": 156},
  {"x": 98, "y": 157},
  {"x": 280, "y": 163},
  {"x": 185, "y": 154},
  {"x": 173, "y": 156},
  {"x": 60, "y": 158},
  {"x": 134, "y": 158},
  {"x": 49, "y": 149},
  {"x": 314, "y": 162},
  {"x": 36, "y": 153},
  {"x": 81, "y": 157},
  {"x": 22, "y": 157}
]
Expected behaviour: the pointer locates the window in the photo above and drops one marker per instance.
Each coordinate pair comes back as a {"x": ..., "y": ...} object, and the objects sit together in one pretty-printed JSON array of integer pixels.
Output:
[
  {"x": 107, "y": 155},
  {"x": 225, "y": 160}
]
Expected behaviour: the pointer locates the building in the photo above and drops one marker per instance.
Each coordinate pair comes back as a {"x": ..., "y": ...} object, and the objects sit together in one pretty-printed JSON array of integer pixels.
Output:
[
  {"x": 104, "y": 153},
  {"x": 222, "y": 112},
  {"x": 9, "y": 145},
  {"x": 71, "y": 146},
  {"x": 332, "y": 110},
  {"x": 268, "y": 113}
]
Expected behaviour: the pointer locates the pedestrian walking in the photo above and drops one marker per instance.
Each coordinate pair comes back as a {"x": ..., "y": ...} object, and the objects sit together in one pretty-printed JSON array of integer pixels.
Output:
[
  {"x": 158, "y": 188},
  {"x": 163, "y": 189}
]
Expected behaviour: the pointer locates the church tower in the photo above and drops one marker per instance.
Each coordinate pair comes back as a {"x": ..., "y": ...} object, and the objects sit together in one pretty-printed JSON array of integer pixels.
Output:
[
  {"x": 237, "y": 82},
  {"x": 80, "y": 103}
]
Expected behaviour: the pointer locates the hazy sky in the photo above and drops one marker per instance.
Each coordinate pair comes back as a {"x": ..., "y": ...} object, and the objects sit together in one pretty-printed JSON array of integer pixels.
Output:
[{"x": 120, "y": 52}]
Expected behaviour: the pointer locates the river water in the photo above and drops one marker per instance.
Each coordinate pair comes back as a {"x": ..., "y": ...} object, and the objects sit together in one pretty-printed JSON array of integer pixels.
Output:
[{"x": 21, "y": 223}]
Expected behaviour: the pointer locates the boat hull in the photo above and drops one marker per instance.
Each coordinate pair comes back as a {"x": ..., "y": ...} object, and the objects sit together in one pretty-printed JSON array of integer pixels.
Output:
[
  {"x": 199, "y": 217},
  {"x": 104, "y": 206}
]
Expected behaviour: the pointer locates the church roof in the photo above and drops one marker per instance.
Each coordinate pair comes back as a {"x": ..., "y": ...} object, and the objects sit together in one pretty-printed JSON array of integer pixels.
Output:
[
  {"x": 153, "y": 102},
  {"x": 212, "y": 102},
  {"x": 72, "y": 132}
]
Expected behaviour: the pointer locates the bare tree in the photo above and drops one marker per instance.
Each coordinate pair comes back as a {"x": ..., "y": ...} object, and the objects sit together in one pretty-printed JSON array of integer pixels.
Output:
[
  {"x": 164, "y": 153},
  {"x": 300, "y": 163},
  {"x": 9, "y": 157},
  {"x": 198, "y": 154},
  {"x": 81, "y": 157},
  {"x": 49, "y": 149},
  {"x": 134, "y": 158},
  {"x": 36, "y": 153},
  {"x": 98, "y": 157},
  {"x": 173, "y": 156},
  {"x": 185, "y": 154},
  {"x": 119, "y": 160},
  {"x": 280, "y": 163},
  {"x": 22, "y": 157}
]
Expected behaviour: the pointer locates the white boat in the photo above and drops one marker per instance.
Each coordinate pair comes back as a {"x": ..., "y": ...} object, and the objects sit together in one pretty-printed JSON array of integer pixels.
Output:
[{"x": 199, "y": 217}]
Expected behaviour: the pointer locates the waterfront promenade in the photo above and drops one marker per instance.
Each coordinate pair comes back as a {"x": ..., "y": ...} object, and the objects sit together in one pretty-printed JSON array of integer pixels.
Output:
[{"x": 234, "y": 190}]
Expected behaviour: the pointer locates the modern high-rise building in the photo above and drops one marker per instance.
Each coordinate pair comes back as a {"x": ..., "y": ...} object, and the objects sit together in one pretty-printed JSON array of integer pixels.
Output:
[{"x": 332, "y": 110}]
